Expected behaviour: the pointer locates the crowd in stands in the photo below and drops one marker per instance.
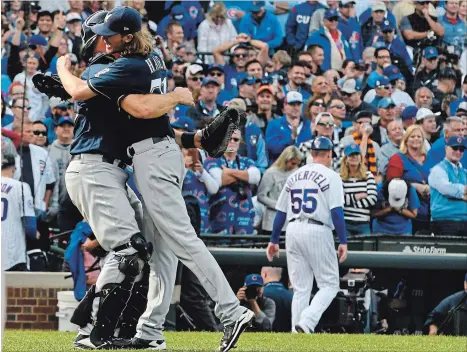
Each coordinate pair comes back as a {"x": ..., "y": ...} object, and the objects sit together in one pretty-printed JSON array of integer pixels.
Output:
[{"x": 386, "y": 81}]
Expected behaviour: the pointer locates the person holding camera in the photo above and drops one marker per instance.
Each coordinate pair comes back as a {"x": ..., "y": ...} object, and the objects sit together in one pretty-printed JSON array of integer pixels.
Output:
[
  {"x": 231, "y": 208},
  {"x": 251, "y": 296}
]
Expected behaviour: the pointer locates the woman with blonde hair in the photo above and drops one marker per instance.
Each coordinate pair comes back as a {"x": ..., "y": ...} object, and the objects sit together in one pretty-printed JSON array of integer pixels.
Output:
[
  {"x": 409, "y": 165},
  {"x": 272, "y": 183},
  {"x": 215, "y": 30},
  {"x": 360, "y": 193}
]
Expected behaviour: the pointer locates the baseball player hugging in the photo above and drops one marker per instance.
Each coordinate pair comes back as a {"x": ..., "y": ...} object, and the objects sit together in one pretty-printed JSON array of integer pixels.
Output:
[{"x": 312, "y": 201}]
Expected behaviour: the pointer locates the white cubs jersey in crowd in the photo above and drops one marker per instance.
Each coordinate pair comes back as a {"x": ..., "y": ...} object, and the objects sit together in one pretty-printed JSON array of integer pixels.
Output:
[
  {"x": 13, "y": 235},
  {"x": 310, "y": 193}
]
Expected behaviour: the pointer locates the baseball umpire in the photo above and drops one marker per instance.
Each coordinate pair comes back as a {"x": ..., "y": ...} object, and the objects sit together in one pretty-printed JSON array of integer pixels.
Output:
[
  {"x": 311, "y": 197},
  {"x": 159, "y": 172}
]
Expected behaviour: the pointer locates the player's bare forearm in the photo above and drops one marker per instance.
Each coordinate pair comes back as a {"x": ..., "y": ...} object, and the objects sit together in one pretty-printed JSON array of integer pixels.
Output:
[{"x": 76, "y": 87}]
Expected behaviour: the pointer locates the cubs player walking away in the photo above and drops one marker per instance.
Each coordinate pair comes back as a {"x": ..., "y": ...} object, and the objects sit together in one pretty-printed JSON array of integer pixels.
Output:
[
  {"x": 17, "y": 205},
  {"x": 159, "y": 172},
  {"x": 311, "y": 197}
]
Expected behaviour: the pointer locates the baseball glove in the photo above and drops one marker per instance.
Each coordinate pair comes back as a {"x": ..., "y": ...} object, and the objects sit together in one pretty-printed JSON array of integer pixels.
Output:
[
  {"x": 50, "y": 85},
  {"x": 216, "y": 136}
]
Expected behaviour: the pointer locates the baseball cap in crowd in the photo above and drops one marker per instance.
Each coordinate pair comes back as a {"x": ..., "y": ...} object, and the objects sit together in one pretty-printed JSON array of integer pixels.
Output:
[
  {"x": 55, "y": 102},
  {"x": 294, "y": 97},
  {"x": 346, "y": 2},
  {"x": 382, "y": 81},
  {"x": 254, "y": 280},
  {"x": 397, "y": 190},
  {"x": 238, "y": 104},
  {"x": 456, "y": 141},
  {"x": 386, "y": 103},
  {"x": 330, "y": 13},
  {"x": 350, "y": 86},
  {"x": 409, "y": 112},
  {"x": 430, "y": 52},
  {"x": 73, "y": 17},
  {"x": 352, "y": 149},
  {"x": 387, "y": 26},
  {"x": 378, "y": 6},
  {"x": 66, "y": 119},
  {"x": 462, "y": 107},
  {"x": 256, "y": 6},
  {"x": 320, "y": 116},
  {"x": 265, "y": 88},
  {"x": 392, "y": 72},
  {"x": 364, "y": 114},
  {"x": 193, "y": 70},
  {"x": 177, "y": 12},
  {"x": 244, "y": 78},
  {"x": 184, "y": 123},
  {"x": 209, "y": 80},
  {"x": 218, "y": 67},
  {"x": 321, "y": 143},
  {"x": 37, "y": 39},
  {"x": 120, "y": 20},
  {"x": 424, "y": 113}
]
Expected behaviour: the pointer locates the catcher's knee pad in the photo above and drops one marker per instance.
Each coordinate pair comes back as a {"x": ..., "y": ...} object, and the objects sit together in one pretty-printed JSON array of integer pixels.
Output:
[
  {"x": 82, "y": 314},
  {"x": 135, "y": 307}
]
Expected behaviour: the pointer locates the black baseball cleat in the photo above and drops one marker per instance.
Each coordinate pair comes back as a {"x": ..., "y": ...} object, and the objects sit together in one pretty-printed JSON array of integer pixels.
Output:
[
  {"x": 139, "y": 344},
  {"x": 232, "y": 332}
]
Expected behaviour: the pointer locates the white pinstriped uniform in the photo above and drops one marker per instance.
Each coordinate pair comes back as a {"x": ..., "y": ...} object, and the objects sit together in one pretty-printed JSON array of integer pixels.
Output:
[{"x": 310, "y": 193}]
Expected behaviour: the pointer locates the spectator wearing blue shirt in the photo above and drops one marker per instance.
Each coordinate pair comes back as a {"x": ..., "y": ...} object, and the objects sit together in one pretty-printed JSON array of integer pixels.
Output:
[
  {"x": 178, "y": 14},
  {"x": 397, "y": 204},
  {"x": 454, "y": 126},
  {"x": 291, "y": 129},
  {"x": 335, "y": 46},
  {"x": 383, "y": 60},
  {"x": 454, "y": 26},
  {"x": 298, "y": 23},
  {"x": 296, "y": 81},
  {"x": 383, "y": 89},
  {"x": 456, "y": 103},
  {"x": 262, "y": 25},
  {"x": 282, "y": 297},
  {"x": 216, "y": 71},
  {"x": 371, "y": 28},
  {"x": 350, "y": 28},
  {"x": 448, "y": 184}
]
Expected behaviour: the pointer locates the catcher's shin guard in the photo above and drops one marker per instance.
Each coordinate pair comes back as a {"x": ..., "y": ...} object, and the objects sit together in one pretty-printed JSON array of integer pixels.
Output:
[
  {"x": 82, "y": 314},
  {"x": 135, "y": 307}
]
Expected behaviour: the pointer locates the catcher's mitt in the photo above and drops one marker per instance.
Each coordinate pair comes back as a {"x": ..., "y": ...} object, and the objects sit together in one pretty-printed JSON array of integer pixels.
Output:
[
  {"x": 216, "y": 136},
  {"x": 50, "y": 85}
]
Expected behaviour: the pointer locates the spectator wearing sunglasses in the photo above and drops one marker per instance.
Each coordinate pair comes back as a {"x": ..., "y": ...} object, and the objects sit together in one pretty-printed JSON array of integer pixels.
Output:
[
  {"x": 428, "y": 76},
  {"x": 335, "y": 46},
  {"x": 194, "y": 75},
  {"x": 352, "y": 97},
  {"x": 20, "y": 109},
  {"x": 39, "y": 129},
  {"x": 386, "y": 113},
  {"x": 313, "y": 108},
  {"x": 383, "y": 89},
  {"x": 448, "y": 186},
  {"x": 336, "y": 108},
  {"x": 216, "y": 71},
  {"x": 401, "y": 98}
]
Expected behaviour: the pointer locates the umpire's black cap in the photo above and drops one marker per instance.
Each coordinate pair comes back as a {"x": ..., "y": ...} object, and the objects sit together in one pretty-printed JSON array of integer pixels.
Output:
[{"x": 120, "y": 20}]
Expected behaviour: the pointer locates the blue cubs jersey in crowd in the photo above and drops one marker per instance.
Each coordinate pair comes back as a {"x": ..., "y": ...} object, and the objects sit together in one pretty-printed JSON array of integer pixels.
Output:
[
  {"x": 135, "y": 74},
  {"x": 229, "y": 213},
  {"x": 194, "y": 187},
  {"x": 100, "y": 127}
]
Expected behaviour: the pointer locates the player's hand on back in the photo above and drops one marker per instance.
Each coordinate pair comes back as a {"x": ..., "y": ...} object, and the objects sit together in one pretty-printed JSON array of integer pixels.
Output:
[
  {"x": 185, "y": 97},
  {"x": 342, "y": 252},
  {"x": 272, "y": 251}
]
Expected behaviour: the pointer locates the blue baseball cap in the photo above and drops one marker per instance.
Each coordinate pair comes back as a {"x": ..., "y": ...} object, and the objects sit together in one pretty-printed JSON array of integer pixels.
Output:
[
  {"x": 330, "y": 13},
  {"x": 184, "y": 123},
  {"x": 373, "y": 79},
  {"x": 209, "y": 80},
  {"x": 254, "y": 280},
  {"x": 352, "y": 149},
  {"x": 244, "y": 78},
  {"x": 177, "y": 10},
  {"x": 321, "y": 143},
  {"x": 387, "y": 26},
  {"x": 120, "y": 20},
  {"x": 430, "y": 52},
  {"x": 392, "y": 72},
  {"x": 456, "y": 141},
  {"x": 382, "y": 82},
  {"x": 37, "y": 39},
  {"x": 409, "y": 112},
  {"x": 385, "y": 103},
  {"x": 66, "y": 119},
  {"x": 256, "y": 6},
  {"x": 213, "y": 67}
]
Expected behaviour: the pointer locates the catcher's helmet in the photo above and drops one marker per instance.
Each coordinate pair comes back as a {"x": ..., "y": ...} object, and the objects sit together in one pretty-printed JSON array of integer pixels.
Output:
[
  {"x": 88, "y": 36},
  {"x": 321, "y": 143}
]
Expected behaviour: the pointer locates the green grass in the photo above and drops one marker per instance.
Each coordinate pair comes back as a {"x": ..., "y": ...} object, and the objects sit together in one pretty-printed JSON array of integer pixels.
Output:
[{"x": 39, "y": 341}]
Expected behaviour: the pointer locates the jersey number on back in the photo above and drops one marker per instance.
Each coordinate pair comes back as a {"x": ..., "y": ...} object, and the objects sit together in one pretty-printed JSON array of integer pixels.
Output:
[
  {"x": 4, "y": 208},
  {"x": 159, "y": 86},
  {"x": 303, "y": 200}
]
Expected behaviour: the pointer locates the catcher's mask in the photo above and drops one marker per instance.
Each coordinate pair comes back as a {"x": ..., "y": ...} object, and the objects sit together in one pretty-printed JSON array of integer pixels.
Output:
[{"x": 87, "y": 35}]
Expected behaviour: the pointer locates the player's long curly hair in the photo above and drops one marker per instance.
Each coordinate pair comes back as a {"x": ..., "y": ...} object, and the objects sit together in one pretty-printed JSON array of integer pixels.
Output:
[{"x": 140, "y": 44}]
